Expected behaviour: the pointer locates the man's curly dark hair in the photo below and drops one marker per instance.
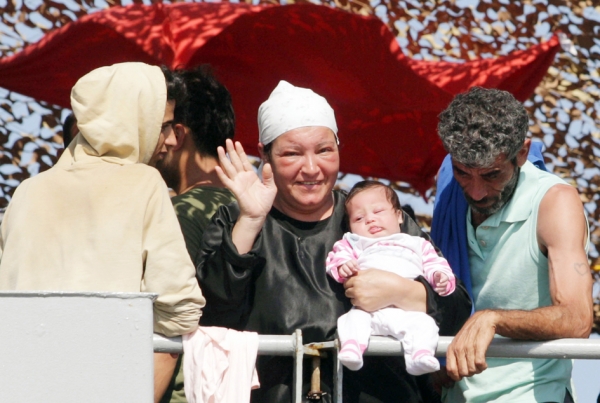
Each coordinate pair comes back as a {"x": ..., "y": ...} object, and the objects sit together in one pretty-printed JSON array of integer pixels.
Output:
[
  {"x": 481, "y": 124},
  {"x": 175, "y": 86},
  {"x": 207, "y": 109}
]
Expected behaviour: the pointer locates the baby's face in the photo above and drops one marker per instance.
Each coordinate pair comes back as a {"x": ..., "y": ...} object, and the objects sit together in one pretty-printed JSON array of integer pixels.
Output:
[{"x": 372, "y": 215}]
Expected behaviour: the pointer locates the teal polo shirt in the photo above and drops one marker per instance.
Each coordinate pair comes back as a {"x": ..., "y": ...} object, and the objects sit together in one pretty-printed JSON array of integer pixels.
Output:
[{"x": 508, "y": 271}]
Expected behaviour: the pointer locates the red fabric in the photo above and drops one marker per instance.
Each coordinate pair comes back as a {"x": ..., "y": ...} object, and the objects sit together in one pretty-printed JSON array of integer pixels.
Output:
[
  {"x": 518, "y": 73},
  {"x": 386, "y": 105}
]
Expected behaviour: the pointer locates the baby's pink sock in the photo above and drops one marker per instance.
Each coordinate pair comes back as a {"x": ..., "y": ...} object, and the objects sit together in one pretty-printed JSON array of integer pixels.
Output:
[
  {"x": 351, "y": 355},
  {"x": 421, "y": 362}
]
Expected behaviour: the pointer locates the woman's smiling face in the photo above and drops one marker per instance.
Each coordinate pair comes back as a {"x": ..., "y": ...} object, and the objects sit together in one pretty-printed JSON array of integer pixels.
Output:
[{"x": 305, "y": 163}]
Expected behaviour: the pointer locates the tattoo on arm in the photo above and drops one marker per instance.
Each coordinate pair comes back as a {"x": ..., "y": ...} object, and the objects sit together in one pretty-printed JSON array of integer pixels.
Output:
[{"x": 581, "y": 268}]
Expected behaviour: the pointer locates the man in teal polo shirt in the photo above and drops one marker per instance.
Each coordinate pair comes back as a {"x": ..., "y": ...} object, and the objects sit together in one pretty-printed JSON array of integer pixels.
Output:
[{"x": 526, "y": 234}]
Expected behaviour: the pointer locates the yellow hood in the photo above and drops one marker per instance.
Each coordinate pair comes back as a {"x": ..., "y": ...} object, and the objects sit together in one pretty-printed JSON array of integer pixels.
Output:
[{"x": 119, "y": 111}]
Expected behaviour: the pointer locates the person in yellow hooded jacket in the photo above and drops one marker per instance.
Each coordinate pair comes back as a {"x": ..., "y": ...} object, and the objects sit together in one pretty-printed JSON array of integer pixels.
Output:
[{"x": 101, "y": 218}]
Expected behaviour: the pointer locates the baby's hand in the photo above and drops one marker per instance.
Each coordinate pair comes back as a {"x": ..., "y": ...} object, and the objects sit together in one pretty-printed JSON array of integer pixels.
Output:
[
  {"x": 440, "y": 281},
  {"x": 348, "y": 269}
]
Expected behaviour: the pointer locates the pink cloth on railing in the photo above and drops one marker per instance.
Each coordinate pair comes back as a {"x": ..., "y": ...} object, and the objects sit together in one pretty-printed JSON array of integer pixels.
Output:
[{"x": 219, "y": 365}]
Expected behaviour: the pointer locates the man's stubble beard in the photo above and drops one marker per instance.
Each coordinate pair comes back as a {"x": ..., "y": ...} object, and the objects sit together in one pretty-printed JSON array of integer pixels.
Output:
[
  {"x": 169, "y": 173},
  {"x": 504, "y": 197}
]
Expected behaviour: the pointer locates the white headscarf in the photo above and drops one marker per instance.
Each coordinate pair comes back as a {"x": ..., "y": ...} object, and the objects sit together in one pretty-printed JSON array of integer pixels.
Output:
[{"x": 289, "y": 108}]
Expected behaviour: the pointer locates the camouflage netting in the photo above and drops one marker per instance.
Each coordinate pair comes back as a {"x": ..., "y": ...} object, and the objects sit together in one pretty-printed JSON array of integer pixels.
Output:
[{"x": 564, "y": 109}]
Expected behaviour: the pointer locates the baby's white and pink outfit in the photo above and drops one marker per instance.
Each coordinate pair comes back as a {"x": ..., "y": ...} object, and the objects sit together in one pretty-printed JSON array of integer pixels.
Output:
[{"x": 407, "y": 256}]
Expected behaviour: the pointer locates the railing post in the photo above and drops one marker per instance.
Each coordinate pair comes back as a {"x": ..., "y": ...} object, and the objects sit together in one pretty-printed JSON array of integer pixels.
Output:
[
  {"x": 298, "y": 358},
  {"x": 338, "y": 374}
]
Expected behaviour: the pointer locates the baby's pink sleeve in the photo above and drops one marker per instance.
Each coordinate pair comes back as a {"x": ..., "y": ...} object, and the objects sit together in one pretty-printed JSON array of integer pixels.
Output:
[
  {"x": 341, "y": 253},
  {"x": 432, "y": 263}
]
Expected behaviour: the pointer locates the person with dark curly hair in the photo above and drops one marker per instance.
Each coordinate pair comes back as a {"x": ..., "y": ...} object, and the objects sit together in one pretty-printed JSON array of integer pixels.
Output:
[
  {"x": 526, "y": 235},
  {"x": 202, "y": 119}
]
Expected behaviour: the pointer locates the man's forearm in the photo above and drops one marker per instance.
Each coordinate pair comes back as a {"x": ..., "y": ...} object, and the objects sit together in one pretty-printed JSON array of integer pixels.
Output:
[
  {"x": 551, "y": 322},
  {"x": 466, "y": 353},
  {"x": 164, "y": 366}
]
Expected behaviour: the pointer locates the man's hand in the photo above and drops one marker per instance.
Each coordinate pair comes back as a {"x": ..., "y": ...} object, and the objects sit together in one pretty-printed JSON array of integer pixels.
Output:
[
  {"x": 348, "y": 269},
  {"x": 466, "y": 353}
]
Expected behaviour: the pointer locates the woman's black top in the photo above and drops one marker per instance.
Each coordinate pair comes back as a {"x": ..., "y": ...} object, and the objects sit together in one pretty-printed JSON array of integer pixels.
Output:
[{"x": 281, "y": 285}]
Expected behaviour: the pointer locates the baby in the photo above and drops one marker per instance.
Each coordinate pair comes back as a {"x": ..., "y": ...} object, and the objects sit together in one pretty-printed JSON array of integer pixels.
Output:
[{"x": 375, "y": 215}]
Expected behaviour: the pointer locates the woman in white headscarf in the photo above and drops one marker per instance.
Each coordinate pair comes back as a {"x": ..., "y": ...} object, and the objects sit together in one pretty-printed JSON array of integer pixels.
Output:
[{"x": 262, "y": 263}]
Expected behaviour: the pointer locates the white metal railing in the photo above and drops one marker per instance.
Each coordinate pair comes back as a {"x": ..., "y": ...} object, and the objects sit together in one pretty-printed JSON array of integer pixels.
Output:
[{"x": 378, "y": 345}]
